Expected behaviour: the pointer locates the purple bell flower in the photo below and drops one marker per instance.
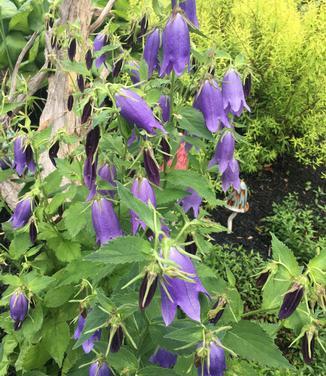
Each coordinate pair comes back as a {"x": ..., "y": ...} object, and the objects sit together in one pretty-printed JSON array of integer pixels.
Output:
[
  {"x": 291, "y": 301},
  {"x": 230, "y": 177},
  {"x": 99, "y": 369},
  {"x": 163, "y": 358},
  {"x": 224, "y": 152},
  {"x": 142, "y": 190},
  {"x": 87, "y": 345},
  {"x": 134, "y": 72},
  {"x": 151, "y": 48},
  {"x": 90, "y": 167},
  {"x": 151, "y": 167},
  {"x": 105, "y": 221},
  {"x": 22, "y": 213},
  {"x": 176, "y": 46},
  {"x": 99, "y": 42},
  {"x": 183, "y": 293},
  {"x": 233, "y": 96},
  {"x": 192, "y": 201},
  {"x": 189, "y": 7},
  {"x": 136, "y": 111},
  {"x": 23, "y": 156},
  {"x": 210, "y": 102},
  {"x": 18, "y": 307},
  {"x": 108, "y": 174},
  {"x": 164, "y": 103},
  {"x": 217, "y": 364}
]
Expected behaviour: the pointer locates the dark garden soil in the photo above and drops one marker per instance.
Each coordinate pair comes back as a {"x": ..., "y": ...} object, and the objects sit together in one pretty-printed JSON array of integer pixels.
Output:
[{"x": 270, "y": 185}]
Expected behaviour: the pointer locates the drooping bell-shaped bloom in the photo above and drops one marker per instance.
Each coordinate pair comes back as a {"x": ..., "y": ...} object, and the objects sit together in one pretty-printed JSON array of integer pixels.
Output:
[
  {"x": 134, "y": 72},
  {"x": 105, "y": 221},
  {"x": 184, "y": 294},
  {"x": 176, "y": 46},
  {"x": 164, "y": 103},
  {"x": 88, "y": 344},
  {"x": 217, "y": 364},
  {"x": 233, "y": 96},
  {"x": 291, "y": 301},
  {"x": 151, "y": 48},
  {"x": 230, "y": 177},
  {"x": 210, "y": 102},
  {"x": 99, "y": 42},
  {"x": 90, "y": 167},
  {"x": 163, "y": 358},
  {"x": 22, "y": 213},
  {"x": 308, "y": 346},
  {"x": 224, "y": 152},
  {"x": 136, "y": 111},
  {"x": 18, "y": 307},
  {"x": 151, "y": 167},
  {"x": 192, "y": 201},
  {"x": 189, "y": 7},
  {"x": 99, "y": 369},
  {"x": 23, "y": 156},
  {"x": 142, "y": 190},
  {"x": 108, "y": 173}
]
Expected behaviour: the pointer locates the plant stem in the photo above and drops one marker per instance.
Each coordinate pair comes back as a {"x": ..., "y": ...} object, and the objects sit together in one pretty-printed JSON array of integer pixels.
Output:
[
  {"x": 172, "y": 94},
  {"x": 3, "y": 37},
  {"x": 257, "y": 311}
]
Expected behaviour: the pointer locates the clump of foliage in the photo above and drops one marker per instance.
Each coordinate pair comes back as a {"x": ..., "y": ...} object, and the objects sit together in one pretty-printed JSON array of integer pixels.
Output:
[{"x": 300, "y": 226}]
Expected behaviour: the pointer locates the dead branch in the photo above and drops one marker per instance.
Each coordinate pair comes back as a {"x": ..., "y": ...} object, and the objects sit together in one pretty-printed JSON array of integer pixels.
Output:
[{"x": 101, "y": 18}]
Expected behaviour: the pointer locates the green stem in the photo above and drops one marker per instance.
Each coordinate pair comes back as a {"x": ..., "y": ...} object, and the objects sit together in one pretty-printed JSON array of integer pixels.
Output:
[
  {"x": 172, "y": 94},
  {"x": 3, "y": 37},
  {"x": 257, "y": 311}
]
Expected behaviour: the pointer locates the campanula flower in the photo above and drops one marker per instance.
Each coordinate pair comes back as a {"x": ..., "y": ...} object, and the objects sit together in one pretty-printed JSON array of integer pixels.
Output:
[
  {"x": 184, "y": 294},
  {"x": 105, "y": 221},
  {"x": 151, "y": 167},
  {"x": 136, "y": 111},
  {"x": 230, "y": 177},
  {"x": 217, "y": 364},
  {"x": 291, "y": 301},
  {"x": 209, "y": 102},
  {"x": 23, "y": 156},
  {"x": 22, "y": 213},
  {"x": 88, "y": 344},
  {"x": 142, "y": 190},
  {"x": 108, "y": 173},
  {"x": 233, "y": 96},
  {"x": 32, "y": 232},
  {"x": 90, "y": 167},
  {"x": 308, "y": 346},
  {"x": 224, "y": 152},
  {"x": 151, "y": 48},
  {"x": 164, "y": 103},
  {"x": 134, "y": 72},
  {"x": 92, "y": 140},
  {"x": 189, "y": 7},
  {"x": 176, "y": 46},
  {"x": 99, "y": 369},
  {"x": 147, "y": 290},
  {"x": 18, "y": 307},
  {"x": 117, "y": 340},
  {"x": 163, "y": 358},
  {"x": 192, "y": 201},
  {"x": 99, "y": 42}
]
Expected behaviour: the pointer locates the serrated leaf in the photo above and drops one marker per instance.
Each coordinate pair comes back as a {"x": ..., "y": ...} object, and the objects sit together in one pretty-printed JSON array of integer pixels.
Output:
[
  {"x": 122, "y": 250},
  {"x": 56, "y": 339},
  {"x": 284, "y": 255},
  {"x": 157, "y": 371},
  {"x": 143, "y": 211},
  {"x": 75, "y": 218},
  {"x": 123, "y": 359},
  {"x": 250, "y": 341},
  {"x": 34, "y": 322},
  {"x": 65, "y": 250},
  {"x": 58, "y": 296},
  {"x": 193, "y": 122},
  {"x": 189, "y": 335},
  {"x": 7, "y": 9},
  {"x": 317, "y": 268},
  {"x": 5, "y": 174}
]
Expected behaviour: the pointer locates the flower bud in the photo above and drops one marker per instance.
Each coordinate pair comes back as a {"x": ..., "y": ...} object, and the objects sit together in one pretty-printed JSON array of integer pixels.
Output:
[
  {"x": 262, "y": 278},
  {"x": 191, "y": 248},
  {"x": 164, "y": 103},
  {"x": 308, "y": 346},
  {"x": 116, "y": 69},
  {"x": 89, "y": 59},
  {"x": 92, "y": 140},
  {"x": 117, "y": 340},
  {"x": 70, "y": 102},
  {"x": 72, "y": 49},
  {"x": 165, "y": 147},
  {"x": 147, "y": 290},
  {"x": 143, "y": 27},
  {"x": 291, "y": 301},
  {"x": 151, "y": 49},
  {"x": 151, "y": 167},
  {"x": 32, "y": 232},
  {"x": 53, "y": 152},
  {"x": 18, "y": 306},
  {"x": 247, "y": 86},
  {"x": 22, "y": 213},
  {"x": 87, "y": 110},
  {"x": 81, "y": 83}
]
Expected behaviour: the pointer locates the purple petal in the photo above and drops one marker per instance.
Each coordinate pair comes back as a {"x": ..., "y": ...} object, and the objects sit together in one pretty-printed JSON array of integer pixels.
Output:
[
  {"x": 163, "y": 358},
  {"x": 193, "y": 201},
  {"x": 176, "y": 46},
  {"x": 88, "y": 345},
  {"x": 99, "y": 369},
  {"x": 79, "y": 327},
  {"x": 168, "y": 308},
  {"x": 19, "y": 156},
  {"x": 151, "y": 48},
  {"x": 230, "y": 177},
  {"x": 164, "y": 103},
  {"x": 189, "y": 7},
  {"x": 108, "y": 174},
  {"x": 18, "y": 306},
  {"x": 22, "y": 213}
]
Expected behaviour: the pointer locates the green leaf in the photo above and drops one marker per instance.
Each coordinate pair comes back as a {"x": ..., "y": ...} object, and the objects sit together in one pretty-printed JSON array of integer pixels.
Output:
[
  {"x": 189, "y": 335},
  {"x": 19, "y": 245},
  {"x": 34, "y": 322},
  {"x": 122, "y": 250},
  {"x": 285, "y": 256},
  {"x": 7, "y": 347},
  {"x": 317, "y": 268},
  {"x": 143, "y": 211},
  {"x": 7, "y": 9},
  {"x": 56, "y": 297},
  {"x": 275, "y": 288},
  {"x": 5, "y": 174},
  {"x": 74, "y": 66},
  {"x": 19, "y": 21},
  {"x": 36, "y": 282},
  {"x": 250, "y": 341},
  {"x": 32, "y": 357},
  {"x": 56, "y": 339},
  {"x": 169, "y": 195},
  {"x": 192, "y": 179},
  {"x": 157, "y": 371},
  {"x": 123, "y": 359},
  {"x": 193, "y": 122},
  {"x": 65, "y": 250},
  {"x": 75, "y": 218}
]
